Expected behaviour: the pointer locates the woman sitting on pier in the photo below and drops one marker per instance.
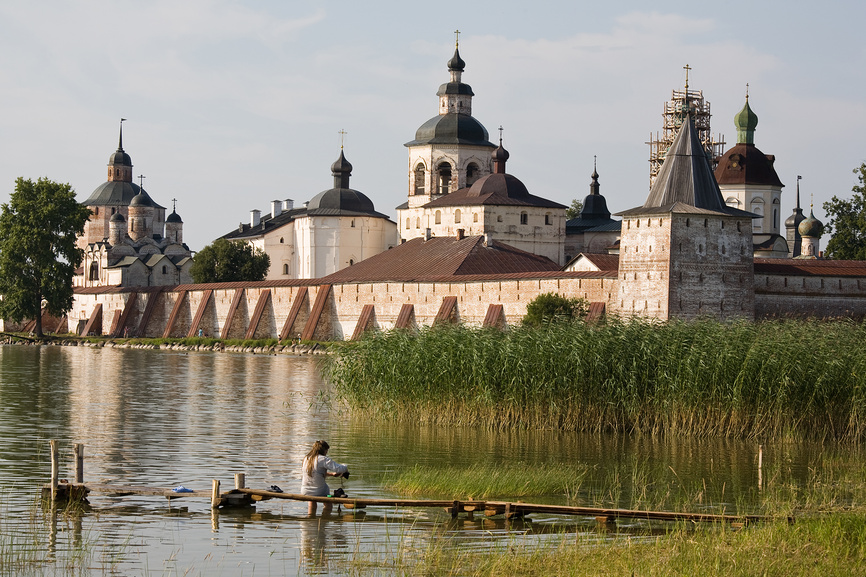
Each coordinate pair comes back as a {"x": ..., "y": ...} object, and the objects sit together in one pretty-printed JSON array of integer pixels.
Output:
[{"x": 317, "y": 466}]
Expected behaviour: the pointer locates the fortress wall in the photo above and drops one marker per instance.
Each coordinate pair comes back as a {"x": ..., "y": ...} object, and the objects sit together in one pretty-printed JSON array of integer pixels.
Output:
[
  {"x": 343, "y": 307},
  {"x": 809, "y": 296}
]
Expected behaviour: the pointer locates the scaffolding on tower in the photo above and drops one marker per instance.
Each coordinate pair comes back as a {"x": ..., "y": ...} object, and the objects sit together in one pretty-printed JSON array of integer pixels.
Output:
[{"x": 674, "y": 112}]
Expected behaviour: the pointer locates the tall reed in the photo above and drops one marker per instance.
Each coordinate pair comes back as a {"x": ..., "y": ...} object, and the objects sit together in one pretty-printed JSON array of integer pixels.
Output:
[{"x": 773, "y": 379}]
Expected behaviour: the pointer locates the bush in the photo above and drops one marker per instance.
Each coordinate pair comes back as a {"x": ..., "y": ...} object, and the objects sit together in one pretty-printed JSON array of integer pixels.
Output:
[{"x": 550, "y": 307}]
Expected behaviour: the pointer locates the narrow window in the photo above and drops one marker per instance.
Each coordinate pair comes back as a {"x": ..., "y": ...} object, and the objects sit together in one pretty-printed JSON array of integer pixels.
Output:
[
  {"x": 419, "y": 179},
  {"x": 164, "y": 269},
  {"x": 444, "y": 178},
  {"x": 475, "y": 217},
  {"x": 407, "y": 223},
  {"x": 285, "y": 269},
  {"x": 281, "y": 240},
  {"x": 438, "y": 218},
  {"x": 94, "y": 271},
  {"x": 547, "y": 220},
  {"x": 524, "y": 218},
  {"x": 457, "y": 216},
  {"x": 472, "y": 174}
]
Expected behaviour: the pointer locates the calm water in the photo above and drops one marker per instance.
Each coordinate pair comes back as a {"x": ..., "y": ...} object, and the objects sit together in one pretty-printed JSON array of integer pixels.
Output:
[{"x": 163, "y": 418}]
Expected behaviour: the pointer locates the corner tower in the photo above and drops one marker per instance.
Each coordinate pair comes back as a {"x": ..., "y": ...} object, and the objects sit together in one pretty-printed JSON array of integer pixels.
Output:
[
  {"x": 451, "y": 150},
  {"x": 684, "y": 253}
]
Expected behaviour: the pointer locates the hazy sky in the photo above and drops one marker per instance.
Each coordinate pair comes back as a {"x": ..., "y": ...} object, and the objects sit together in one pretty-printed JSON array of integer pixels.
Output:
[{"x": 233, "y": 104}]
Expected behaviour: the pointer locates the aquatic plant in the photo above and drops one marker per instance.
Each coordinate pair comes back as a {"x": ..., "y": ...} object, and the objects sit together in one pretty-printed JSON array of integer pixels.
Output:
[{"x": 774, "y": 379}]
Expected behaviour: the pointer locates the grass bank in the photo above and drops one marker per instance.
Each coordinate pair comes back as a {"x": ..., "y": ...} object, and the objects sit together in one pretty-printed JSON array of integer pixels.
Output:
[
  {"x": 774, "y": 379},
  {"x": 831, "y": 546}
]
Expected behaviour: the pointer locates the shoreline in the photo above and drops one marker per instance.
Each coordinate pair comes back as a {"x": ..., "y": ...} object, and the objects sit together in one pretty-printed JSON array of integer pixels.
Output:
[{"x": 160, "y": 344}]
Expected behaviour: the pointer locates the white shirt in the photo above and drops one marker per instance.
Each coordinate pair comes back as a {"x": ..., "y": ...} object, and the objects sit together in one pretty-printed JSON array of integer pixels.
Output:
[{"x": 315, "y": 484}]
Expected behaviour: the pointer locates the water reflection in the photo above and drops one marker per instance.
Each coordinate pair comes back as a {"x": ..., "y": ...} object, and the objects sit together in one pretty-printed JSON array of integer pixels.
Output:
[{"x": 163, "y": 418}]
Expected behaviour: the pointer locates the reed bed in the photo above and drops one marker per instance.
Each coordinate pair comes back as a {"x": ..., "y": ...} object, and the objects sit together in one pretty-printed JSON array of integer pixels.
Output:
[
  {"x": 485, "y": 481},
  {"x": 774, "y": 379}
]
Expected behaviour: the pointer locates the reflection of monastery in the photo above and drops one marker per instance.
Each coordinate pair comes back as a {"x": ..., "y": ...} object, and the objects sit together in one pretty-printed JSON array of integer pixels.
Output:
[{"x": 473, "y": 244}]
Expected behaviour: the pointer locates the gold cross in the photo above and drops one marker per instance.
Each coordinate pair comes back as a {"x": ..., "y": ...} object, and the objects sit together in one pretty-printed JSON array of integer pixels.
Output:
[
  {"x": 342, "y": 134},
  {"x": 687, "y": 68},
  {"x": 457, "y": 41}
]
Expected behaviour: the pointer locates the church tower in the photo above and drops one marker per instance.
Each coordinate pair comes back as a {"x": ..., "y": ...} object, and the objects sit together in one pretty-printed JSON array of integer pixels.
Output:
[
  {"x": 792, "y": 227},
  {"x": 748, "y": 181},
  {"x": 451, "y": 150},
  {"x": 685, "y": 253}
]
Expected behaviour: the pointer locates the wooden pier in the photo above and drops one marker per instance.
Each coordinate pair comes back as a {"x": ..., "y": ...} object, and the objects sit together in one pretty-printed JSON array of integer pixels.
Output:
[{"x": 242, "y": 496}]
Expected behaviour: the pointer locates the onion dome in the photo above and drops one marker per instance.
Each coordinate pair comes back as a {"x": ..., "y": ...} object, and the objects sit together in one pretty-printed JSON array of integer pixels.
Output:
[
  {"x": 174, "y": 217},
  {"x": 341, "y": 170},
  {"x": 746, "y": 121},
  {"x": 116, "y": 217},
  {"x": 499, "y": 156},
  {"x": 341, "y": 200},
  {"x": 811, "y": 227},
  {"x": 456, "y": 63},
  {"x": 745, "y": 163}
]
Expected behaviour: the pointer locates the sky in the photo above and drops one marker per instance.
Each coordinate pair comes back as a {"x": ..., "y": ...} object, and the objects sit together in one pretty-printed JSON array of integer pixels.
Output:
[{"x": 232, "y": 104}]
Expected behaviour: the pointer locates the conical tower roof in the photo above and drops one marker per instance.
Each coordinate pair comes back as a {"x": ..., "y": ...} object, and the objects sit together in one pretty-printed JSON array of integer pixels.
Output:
[{"x": 685, "y": 182}]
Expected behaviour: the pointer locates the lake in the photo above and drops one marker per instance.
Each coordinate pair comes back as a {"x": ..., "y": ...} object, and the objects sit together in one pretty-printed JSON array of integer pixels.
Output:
[{"x": 168, "y": 418}]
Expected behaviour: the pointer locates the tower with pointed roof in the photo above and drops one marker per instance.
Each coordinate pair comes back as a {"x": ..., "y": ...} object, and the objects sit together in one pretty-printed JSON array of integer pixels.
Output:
[
  {"x": 593, "y": 231},
  {"x": 748, "y": 181},
  {"x": 685, "y": 253},
  {"x": 451, "y": 150},
  {"x": 792, "y": 227}
]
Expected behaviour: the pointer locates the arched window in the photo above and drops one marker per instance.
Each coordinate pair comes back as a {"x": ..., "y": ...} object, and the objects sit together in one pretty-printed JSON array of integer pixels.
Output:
[
  {"x": 351, "y": 261},
  {"x": 285, "y": 269},
  {"x": 457, "y": 216},
  {"x": 281, "y": 240},
  {"x": 438, "y": 217},
  {"x": 475, "y": 217},
  {"x": 547, "y": 219},
  {"x": 164, "y": 269},
  {"x": 472, "y": 173},
  {"x": 407, "y": 223},
  {"x": 417, "y": 223},
  {"x": 419, "y": 179},
  {"x": 758, "y": 223},
  {"x": 94, "y": 270},
  {"x": 444, "y": 178},
  {"x": 524, "y": 218},
  {"x": 95, "y": 211}
]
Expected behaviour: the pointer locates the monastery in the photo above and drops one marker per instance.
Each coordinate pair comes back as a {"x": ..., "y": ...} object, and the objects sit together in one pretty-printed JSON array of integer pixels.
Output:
[{"x": 472, "y": 244}]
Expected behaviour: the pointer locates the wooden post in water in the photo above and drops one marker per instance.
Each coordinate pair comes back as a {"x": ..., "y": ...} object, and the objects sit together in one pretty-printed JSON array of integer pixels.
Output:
[
  {"x": 240, "y": 480},
  {"x": 54, "y": 468},
  {"x": 78, "y": 456},
  {"x": 760, "y": 466},
  {"x": 215, "y": 494}
]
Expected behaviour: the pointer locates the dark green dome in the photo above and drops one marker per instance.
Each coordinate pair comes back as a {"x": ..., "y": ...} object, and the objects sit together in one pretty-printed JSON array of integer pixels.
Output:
[
  {"x": 746, "y": 121},
  {"x": 811, "y": 227}
]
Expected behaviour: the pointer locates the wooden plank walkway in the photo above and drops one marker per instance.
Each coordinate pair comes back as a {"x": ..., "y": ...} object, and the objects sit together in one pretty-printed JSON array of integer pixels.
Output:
[{"x": 510, "y": 509}]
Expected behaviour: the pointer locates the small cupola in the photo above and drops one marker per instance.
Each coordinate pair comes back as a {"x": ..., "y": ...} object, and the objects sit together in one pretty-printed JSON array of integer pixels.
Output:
[
  {"x": 746, "y": 121},
  {"x": 341, "y": 170}
]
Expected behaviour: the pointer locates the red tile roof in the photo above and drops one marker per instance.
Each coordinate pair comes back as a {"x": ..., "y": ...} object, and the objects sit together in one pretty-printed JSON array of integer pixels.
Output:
[
  {"x": 443, "y": 257},
  {"x": 810, "y": 267}
]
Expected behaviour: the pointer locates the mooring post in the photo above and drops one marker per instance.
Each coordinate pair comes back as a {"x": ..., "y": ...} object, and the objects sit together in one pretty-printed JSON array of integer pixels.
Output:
[
  {"x": 54, "y": 468},
  {"x": 78, "y": 456},
  {"x": 760, "y": 466},
  {"x": 215, "y": 494},
  {"x": 455, "y": 509},
  {"x": 240, "y": 480}
]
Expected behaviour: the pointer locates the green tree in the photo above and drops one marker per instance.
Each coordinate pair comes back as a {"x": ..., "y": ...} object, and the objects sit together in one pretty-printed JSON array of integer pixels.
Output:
[
  {"x": 227, "y": 261},
  {"x": 550, "y": 307},
  {"x": 847, "y": 222},
  {"x": 573, "y": 211},
  {"x": 38, "y": 255}
]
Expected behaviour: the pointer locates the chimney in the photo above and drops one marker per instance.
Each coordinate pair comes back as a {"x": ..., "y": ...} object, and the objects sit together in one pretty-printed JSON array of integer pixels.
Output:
[
  {"x": 460, "y": 233},
  {"x": 487, "y": 240},
  {"x": 289, "y": 204},
  {"x": 428, "y": 234},
  {"x": 255, "y": 217},
  {"x": 276, "y": 208}
]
